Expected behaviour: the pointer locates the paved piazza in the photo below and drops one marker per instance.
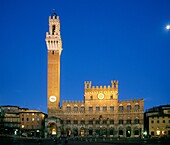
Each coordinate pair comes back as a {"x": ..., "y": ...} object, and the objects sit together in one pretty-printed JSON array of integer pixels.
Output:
[{"x": 6, "y": 140}]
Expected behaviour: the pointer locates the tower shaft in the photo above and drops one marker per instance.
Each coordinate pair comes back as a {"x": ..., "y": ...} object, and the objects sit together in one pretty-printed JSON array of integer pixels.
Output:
[{"x": 54, "y": 46}]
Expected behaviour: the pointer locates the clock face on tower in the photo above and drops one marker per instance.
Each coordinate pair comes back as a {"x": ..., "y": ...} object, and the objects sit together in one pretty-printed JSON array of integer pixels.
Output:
[
  {"x": 52, "y": 98},
  {"x": 101, "y": 96}
]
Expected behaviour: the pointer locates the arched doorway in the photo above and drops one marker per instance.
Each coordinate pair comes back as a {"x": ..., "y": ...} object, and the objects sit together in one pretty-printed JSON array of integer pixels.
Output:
[
  {"x": 104, "y": 131},
  {"x": 136, "y": 131},
  {"x": 101, "y": 132},
  {"x": 68, "y": 132},
  {"x": 97, "y": 131},
  {"x": 111, "y": 131},
  {"x": 82, "y": 132},
  {"x": 90, "y": 131},
  {"x": 120, "y": 132},
  {"x": 128, "y": 132},
  {"x": 75, "y": 132},
  {"x": 52, "y": 129}
]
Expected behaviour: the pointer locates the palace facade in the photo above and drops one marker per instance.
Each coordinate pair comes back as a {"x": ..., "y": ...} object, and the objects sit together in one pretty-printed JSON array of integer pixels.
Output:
[{"x": 99, "y": 114}]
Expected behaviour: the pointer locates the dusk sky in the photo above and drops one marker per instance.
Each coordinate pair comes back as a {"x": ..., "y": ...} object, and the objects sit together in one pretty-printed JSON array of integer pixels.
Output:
[{"x": 103, "y": 40}]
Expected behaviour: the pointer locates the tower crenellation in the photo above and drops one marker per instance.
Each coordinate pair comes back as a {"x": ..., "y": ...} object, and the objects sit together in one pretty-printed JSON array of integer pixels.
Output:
[
  {"x": 53, "y": 37},
  {"x": 87, "y": 84}
]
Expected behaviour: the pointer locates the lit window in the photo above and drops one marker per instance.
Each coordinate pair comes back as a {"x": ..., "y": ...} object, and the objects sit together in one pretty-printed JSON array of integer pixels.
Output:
[
  {"x": 158, "y": 132},
  {"x": 32, "y": 119},
  {"x": 163, "y": 132},
  {"x": 22, "y": 126}
]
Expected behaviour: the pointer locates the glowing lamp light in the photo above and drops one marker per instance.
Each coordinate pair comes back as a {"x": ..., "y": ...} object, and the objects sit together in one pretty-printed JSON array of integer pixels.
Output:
[
  {"x": 158, "y": 132},
  {"x": 145, "y": 133},
  {"x": 53, "y": 132}
]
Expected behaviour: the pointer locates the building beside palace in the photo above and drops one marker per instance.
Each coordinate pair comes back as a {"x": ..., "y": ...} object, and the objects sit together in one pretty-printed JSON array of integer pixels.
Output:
[
  {"x": 17, "y": 121},
  {"x": 101, "y": 113},
  {"x": 32, "y": 122},
  {"x": 157, "y": 121},
  {"x": 10, "y": 121}
]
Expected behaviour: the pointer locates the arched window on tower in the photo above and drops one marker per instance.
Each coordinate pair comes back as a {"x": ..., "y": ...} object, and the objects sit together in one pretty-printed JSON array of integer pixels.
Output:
[{"x": 53, "y": 29}]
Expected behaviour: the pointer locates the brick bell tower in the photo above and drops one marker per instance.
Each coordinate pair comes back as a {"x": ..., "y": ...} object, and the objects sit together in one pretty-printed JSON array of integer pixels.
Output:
[{"x": 54, "y": 47}]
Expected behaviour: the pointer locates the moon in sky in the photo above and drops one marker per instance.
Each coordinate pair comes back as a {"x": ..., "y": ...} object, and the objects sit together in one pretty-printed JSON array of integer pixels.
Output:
[{"x": 167, "y": 27}]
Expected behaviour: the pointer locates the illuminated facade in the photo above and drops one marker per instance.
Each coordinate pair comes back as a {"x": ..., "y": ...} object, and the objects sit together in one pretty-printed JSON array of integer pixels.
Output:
[
  {"x": 99, "y": 114},
  {"x": 54, "y": 45},
  {"x": 18, "y": 121},
  {"x": 157, "y": 122},
  {"x": 32, "y": 122},
  {"x": 10, "y": 123}
]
